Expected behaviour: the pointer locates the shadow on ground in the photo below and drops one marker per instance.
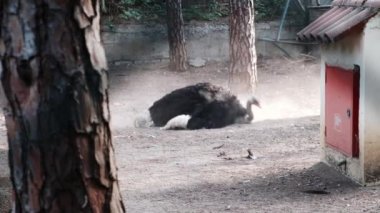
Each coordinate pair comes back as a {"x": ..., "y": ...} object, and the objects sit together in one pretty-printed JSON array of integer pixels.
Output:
[
  {"x": 319, "y": 179},
  {"x": 309, "y": 190}
]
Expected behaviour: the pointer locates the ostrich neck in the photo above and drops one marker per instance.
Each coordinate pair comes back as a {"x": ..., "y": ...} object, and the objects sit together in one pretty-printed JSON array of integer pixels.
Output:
[{"x": 249, "y": 111}]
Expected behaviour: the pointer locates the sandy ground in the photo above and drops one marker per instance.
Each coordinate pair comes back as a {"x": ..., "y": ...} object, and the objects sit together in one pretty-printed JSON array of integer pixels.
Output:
[{"x": 208, "y": 170}]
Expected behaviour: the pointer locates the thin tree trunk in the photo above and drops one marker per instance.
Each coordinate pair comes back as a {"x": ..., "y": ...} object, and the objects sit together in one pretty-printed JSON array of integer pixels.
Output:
[
  {"x": 177, "y": 47},
  {"x": 54, "y": 77},
  {"x": 242, "y": 68}
]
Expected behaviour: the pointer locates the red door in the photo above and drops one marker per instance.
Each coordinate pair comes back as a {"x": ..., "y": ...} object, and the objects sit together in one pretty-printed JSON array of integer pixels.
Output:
[{"x": 341, "y": 109}]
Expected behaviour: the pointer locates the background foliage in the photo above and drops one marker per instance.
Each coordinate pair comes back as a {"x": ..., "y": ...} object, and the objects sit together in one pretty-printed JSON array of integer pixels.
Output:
[
  {"x": 201, "y": 10},
  {"x": 268, "y": 9}
]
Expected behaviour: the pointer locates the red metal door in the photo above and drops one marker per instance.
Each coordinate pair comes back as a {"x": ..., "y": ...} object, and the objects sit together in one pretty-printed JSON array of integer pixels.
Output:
[{"x": 341, "y": 109}]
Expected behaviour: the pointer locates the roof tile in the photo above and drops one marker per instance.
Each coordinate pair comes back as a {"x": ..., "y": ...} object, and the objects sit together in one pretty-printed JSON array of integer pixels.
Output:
[{"x": 344, "y": 15}]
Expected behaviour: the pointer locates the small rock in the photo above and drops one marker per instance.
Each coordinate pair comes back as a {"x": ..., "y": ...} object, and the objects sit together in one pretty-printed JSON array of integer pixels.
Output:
[
  {"x": 250, "y": 155},
  {"x": 229, "y": 158},
  {"x": 218, "y": 147},
  {"x": 197, "y": 62},
  {"x": 221, "y": 154}
]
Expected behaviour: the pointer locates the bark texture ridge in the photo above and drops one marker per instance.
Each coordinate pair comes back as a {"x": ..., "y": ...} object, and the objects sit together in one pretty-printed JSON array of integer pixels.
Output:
[{"x": 53, "y": 72}]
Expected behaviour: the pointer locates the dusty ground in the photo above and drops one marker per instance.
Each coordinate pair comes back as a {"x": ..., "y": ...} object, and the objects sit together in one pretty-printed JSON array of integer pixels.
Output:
[{"x": 207, "y": 170}]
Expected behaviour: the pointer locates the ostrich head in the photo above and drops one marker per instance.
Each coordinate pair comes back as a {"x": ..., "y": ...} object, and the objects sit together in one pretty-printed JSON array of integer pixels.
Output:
[
  {"x": 250, "y": 102},
  {"x": 248, "y": 114}
]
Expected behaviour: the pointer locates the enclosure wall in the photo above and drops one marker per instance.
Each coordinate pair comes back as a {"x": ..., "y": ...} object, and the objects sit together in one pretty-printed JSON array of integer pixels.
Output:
[{"x": 204, "y": 40}]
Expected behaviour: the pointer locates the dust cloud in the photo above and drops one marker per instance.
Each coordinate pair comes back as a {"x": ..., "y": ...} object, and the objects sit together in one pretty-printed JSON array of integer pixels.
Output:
[{"x": 285, "y": 89}]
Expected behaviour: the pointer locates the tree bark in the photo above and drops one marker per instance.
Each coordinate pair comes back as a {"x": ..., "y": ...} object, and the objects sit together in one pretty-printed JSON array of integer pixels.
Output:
[
  {"x": 242, "y": 68},
  {"x": 176, "y": 36},
  {"x": 54, "y": 77}
]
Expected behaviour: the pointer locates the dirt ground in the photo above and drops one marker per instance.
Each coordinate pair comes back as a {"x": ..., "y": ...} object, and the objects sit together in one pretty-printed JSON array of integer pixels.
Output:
[{"x": 208, "y": 170}]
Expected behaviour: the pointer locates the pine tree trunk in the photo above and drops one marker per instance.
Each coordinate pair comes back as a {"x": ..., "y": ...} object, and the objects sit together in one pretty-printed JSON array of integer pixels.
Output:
[
  {"x": 177, "y": 48},
  {"x": 242, "y": 69},
  {"x": 54, "y": 77}
]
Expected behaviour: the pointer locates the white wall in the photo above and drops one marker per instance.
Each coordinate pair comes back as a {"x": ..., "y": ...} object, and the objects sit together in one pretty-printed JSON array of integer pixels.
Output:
[
  {"x": 361, "y": 48},
  {"x": 371, "y": 100},
  {"x": 345, "y": 53}
]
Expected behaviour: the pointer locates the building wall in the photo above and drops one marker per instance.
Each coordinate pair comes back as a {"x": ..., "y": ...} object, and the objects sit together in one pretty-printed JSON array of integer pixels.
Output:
[
  {"x": 371, "y": 100},
  {"x": 344, "y": 53}
]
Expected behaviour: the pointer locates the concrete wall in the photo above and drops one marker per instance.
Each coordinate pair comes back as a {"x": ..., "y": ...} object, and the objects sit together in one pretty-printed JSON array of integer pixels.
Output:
[
  {"x": 204, "y": 40},
  {"x": 345, "y": 54},
  {"x": 371, "y": 101}
]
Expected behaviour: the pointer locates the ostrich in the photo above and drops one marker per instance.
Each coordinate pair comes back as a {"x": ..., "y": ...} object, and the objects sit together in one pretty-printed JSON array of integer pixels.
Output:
[{"x": 198, "y": 106}]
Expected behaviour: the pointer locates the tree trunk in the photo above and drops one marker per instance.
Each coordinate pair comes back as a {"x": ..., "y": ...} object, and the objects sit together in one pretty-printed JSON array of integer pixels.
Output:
[
  {"x": 177, "y": 48},
  {"x": 242, "y": 69},
  {"x": 54, "y": 77}
]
